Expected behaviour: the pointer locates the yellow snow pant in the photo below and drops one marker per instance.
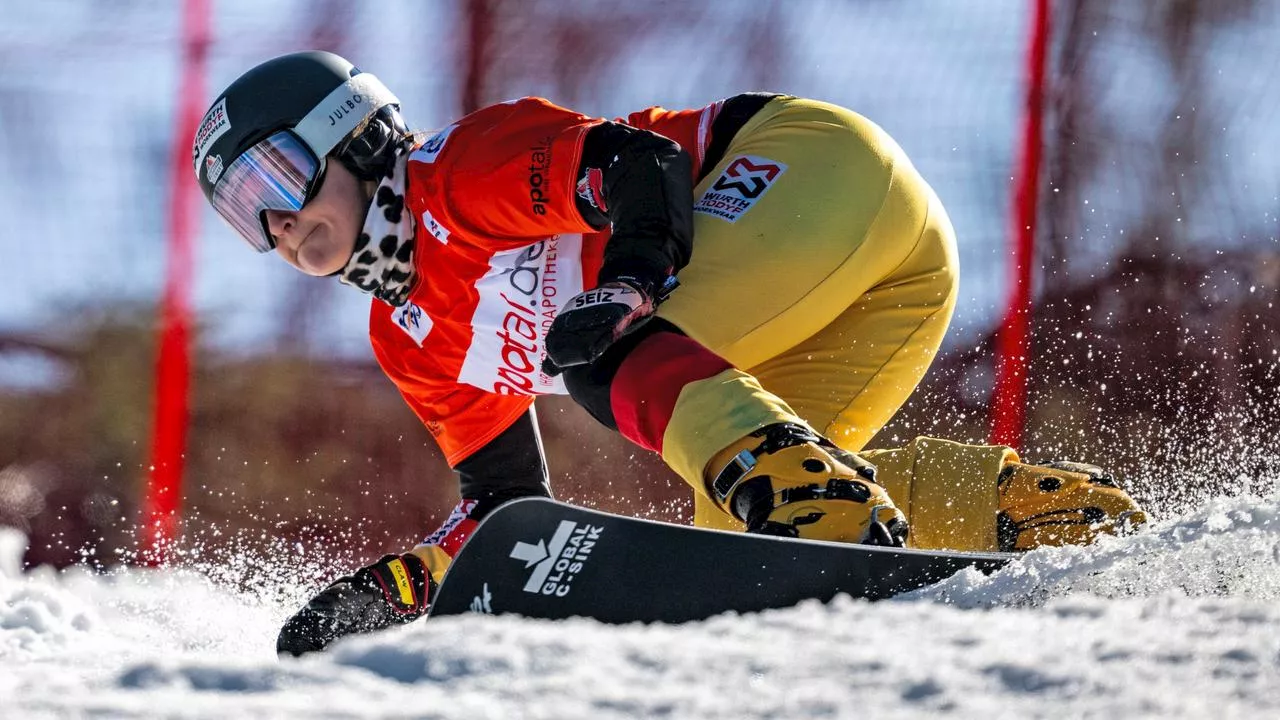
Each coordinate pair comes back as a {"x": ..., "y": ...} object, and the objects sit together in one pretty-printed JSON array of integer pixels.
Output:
[{"x": 825, "y": 268}]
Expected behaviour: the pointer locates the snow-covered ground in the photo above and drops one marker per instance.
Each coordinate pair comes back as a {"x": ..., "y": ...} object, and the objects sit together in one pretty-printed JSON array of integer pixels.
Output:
[{"x": 1181, "y": 621}]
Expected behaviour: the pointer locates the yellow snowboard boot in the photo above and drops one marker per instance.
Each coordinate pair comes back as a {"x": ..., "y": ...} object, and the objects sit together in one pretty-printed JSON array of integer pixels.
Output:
[{"x": 787, "y": 480}]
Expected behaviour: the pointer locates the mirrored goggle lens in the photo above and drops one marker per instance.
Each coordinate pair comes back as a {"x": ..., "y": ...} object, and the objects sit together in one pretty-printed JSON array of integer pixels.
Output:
[{"x": 275, "y": 174}]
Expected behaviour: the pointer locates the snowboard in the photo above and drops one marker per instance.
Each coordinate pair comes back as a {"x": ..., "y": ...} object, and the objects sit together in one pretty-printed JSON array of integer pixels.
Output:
[{"x": 544, "y": 559}]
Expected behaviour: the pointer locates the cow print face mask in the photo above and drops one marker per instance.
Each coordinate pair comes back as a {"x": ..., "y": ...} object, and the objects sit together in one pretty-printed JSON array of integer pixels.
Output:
[{"x": 382, "y": 263}]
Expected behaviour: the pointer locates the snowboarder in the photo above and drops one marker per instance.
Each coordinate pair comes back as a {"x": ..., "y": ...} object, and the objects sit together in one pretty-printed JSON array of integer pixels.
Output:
[{"x": 751, "y": 289}]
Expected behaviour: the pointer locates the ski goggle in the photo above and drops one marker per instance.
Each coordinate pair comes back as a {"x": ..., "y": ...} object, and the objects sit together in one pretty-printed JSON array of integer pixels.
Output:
[{"x": 278, "y": 173}]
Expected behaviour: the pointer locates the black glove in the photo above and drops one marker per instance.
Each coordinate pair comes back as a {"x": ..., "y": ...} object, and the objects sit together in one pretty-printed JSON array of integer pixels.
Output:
[
  {"x": 592, "y": 321},
  {"x": 392, "y": 591}
]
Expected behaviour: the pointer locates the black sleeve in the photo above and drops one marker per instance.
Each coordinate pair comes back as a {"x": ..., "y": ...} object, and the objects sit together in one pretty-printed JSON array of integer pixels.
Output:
[
  {"x": 640, "y": 183},
  {"x": 512, "y": 465}
]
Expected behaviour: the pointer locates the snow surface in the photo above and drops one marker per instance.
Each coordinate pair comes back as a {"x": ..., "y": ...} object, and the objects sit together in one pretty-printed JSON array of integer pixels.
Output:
[{"x": 1181, "y": 621}]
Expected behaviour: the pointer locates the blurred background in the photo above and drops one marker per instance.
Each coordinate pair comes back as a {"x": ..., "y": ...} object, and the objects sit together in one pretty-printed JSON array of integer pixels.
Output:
[{"x": 1154, "y": 278}]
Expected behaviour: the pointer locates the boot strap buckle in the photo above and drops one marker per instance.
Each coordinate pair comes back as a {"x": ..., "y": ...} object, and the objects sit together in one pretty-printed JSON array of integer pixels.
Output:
[{"x": 731, "y": 473}]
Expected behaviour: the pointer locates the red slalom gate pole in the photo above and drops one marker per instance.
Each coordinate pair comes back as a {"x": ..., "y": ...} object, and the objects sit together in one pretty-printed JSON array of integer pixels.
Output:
[
  {"x": 163, "y": 501},
  {"x": 477, "y": 58},
  {"x": 1013, "y": 342}
]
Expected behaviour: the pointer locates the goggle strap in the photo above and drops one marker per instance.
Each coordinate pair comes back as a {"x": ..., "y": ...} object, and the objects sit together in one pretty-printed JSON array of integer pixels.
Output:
[{"x": 342, "y": 111}]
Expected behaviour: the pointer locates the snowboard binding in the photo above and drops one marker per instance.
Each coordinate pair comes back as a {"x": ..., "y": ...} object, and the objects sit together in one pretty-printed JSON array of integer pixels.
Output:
[{"x": 787, "y": 480}]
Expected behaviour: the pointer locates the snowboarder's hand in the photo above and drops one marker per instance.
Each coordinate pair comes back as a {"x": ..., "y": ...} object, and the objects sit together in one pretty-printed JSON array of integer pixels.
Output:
[
  {"x": 1062, "y": 503},
  {"x": 591, "y": 321},
  {"x": 392, "y": 591}
]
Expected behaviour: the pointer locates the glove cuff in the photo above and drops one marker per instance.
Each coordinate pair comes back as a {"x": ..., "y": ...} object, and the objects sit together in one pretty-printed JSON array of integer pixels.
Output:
[{"x": 404, "y": 581}]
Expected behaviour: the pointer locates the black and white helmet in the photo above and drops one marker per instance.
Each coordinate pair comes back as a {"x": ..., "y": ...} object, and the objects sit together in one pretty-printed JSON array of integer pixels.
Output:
[{"x": 265, "y": 141}]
